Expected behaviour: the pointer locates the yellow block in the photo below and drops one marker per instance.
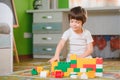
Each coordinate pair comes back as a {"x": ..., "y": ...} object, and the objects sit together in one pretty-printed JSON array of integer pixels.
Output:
[
  {"x": 79, "y": 73},
  {"x": 53, "y": 65},
  {"x": 79, "y": 62},
  {"x": 69, "y": 70},
  {"x": 73, "y": 57},
  {"x": 66, "y": 74},
  {"x": 39, "y": 69}
]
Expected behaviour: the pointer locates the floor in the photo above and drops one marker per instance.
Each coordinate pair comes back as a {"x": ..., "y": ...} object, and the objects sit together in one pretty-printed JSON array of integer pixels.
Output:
[{"x": 22, "y": 71}]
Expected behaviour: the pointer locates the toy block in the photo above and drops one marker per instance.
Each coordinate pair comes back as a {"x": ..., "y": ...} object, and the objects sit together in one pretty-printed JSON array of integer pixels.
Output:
[
  {"x": 93, "y": 66},
  {"x": 79, "y": 73},
  {"x": 99, "y": 66},
  {"x": 99, "y": 70},
  {"x": 55, "y": 63},
  {"x": 69, "y": 70},
  {"x": 34, "y": 71},
  {"x": 64, "y": 64},
  {"x": 73, "y": 65},
  {"x": 91, "y": 74},
  {"x": 73, "y": 75},
  {"x": 73, "y": 56},
  {"x": 73, "y": 61},
  {"x": 76, "y": 69},
  {"x": 59, "y": 74},
  {"x": 39, "y": 69},
  {"x": 89, "y": 69},
  {"x": 99, "y": 61},
  {"x": 66, "y": 74},
  {"x": 84, "y": 76},
  {"x": 83, "y": 70},
  {"x": 79, "y": 63},
  {"x": 99, "y": 74},
  {"x": 44, "y": 74},
  {"x": 88, "y": 60}
]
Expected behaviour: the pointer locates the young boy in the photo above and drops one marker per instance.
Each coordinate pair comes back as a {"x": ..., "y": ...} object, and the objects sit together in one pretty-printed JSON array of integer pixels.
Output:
[{"x": 80, "y": 39}]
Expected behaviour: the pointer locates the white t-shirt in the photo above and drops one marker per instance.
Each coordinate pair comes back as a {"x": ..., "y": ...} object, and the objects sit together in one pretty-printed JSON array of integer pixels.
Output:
[{"x": 77, "y": 42}]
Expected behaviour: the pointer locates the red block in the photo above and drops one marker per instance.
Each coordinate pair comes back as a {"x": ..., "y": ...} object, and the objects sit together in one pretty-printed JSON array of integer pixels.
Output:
[
  {"x": 73, "y": 65},
  {"x": 93, "y": 66},
  {"x": 59, "y": 74},
  {"x": 99, "y": 61}
]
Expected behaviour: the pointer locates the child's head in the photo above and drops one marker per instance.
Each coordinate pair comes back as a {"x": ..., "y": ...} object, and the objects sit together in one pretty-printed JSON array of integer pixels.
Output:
[{"x": 78, "y": 13}]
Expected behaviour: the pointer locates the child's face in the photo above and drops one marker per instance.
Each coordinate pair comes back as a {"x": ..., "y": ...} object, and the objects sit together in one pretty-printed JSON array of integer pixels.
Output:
[{"x": 75, "y": 24}]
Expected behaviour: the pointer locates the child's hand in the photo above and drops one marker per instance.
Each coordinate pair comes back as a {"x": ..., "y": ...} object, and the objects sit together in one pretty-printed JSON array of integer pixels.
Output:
[{"x": 54, "y": 59}]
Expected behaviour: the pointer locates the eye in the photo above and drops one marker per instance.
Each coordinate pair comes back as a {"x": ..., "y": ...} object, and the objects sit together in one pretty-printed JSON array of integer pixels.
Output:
[{"x": 78, "y": 22}]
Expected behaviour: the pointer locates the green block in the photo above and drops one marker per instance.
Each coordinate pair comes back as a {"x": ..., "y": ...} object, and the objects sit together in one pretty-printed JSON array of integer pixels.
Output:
[
  {"x": 64, "y": 69},
  {"x": 73, "y": 61},
  {"x": 63, "y": 64},
  {"x": 89, "y": 69},
  {"x": 63, "y": 4},
  {"x": 76, "y": 69},
  {"x": 34, "y": 72},
  {"x": 99, "y": 70}
]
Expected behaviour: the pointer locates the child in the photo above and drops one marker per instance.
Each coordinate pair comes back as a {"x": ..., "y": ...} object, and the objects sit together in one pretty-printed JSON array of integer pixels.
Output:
[{"x": 80, "y": 39}]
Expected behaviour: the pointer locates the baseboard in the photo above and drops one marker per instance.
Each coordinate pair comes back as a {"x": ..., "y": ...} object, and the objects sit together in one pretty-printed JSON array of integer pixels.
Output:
[{"x": 23, "y": 57}]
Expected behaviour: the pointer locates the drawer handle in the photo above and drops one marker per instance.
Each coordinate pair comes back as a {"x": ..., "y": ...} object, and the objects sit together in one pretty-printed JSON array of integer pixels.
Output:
[
  {"x": 48, "y": 38},
  {"x": 47, "y": 28},
  {"x": 47, "y": 49},
  {"x": 47, "y": 17}
]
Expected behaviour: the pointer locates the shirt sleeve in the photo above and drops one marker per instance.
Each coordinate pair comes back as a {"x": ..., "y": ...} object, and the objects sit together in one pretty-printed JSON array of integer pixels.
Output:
[
  {"x": 66, "y": 35},
  {"x": 89, "y": 37}
]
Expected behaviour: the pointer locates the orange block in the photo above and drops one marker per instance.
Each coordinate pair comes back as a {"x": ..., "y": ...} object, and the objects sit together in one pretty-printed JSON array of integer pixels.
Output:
[{"x": 91, "y": 74}]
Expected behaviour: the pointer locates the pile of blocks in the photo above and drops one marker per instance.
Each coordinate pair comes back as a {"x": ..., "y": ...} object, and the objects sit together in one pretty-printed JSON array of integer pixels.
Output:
[{"x": 82, "y": 68}]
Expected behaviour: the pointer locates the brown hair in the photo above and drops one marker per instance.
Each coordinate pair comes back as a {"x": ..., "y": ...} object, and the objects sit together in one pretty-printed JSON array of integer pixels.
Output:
[{"x": 78, "y": 13}]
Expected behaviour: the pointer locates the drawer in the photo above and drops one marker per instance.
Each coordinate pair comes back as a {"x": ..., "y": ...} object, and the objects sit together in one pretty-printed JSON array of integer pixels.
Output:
[
  {"x": 46, "y": 38},
  {"x": 47, "y": 17},
  {"x": 54, "y": 27},
  {"x": 44, "y": 49}
]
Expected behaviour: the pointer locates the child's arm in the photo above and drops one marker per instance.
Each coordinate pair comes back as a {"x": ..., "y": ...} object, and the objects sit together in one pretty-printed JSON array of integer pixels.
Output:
[
  {"x": 88, "y": 51},
  {"x": 58, "y": 50}
]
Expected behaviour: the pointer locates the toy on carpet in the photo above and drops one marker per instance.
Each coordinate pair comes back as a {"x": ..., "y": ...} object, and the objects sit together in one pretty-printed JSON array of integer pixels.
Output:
[{"x": 83, "y": 68}]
